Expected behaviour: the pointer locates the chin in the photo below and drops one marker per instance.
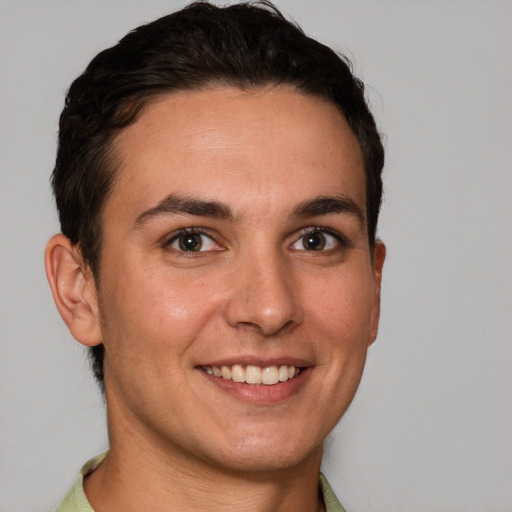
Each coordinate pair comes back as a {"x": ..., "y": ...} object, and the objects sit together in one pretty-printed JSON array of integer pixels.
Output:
[{"x": 258, "y": 456}]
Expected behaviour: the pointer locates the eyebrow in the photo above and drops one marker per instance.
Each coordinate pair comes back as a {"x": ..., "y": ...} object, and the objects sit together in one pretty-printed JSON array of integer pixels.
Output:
[
  {"x": 324, "y": 205},
  {"x": 173, "y": 204},
  {"x": 189, "y": 205}
]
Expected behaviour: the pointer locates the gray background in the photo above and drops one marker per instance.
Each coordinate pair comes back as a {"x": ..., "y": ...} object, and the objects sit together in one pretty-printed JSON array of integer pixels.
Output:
[{"x": 431, "y": 427}]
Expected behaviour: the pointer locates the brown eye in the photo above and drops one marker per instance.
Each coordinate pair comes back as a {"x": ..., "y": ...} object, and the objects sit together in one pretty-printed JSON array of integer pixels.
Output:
[
  {"x": 190, "y": 242},
  {"x": 314, "y": 241},
  {"x": 318, "y": 240}
]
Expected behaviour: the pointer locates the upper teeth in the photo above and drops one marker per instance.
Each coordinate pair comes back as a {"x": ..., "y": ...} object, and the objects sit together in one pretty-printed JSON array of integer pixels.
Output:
[{"x": 268, "y": 375}]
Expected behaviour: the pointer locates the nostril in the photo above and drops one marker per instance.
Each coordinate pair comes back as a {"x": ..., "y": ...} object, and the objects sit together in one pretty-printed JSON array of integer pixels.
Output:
[{"x": 265, "y": 329}]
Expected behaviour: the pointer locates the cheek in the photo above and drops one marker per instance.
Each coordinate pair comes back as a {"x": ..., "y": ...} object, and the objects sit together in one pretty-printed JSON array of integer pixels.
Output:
[
  {"x": 150, "y": 330},
  {"x": 148, "y": 315},
  {"x": 342, "y": 307},
  {"x": 343, "y": 323}
]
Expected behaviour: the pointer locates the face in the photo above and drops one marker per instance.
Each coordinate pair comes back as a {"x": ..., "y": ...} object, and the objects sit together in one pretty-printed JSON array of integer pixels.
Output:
[{"x": 238, "y": 295}]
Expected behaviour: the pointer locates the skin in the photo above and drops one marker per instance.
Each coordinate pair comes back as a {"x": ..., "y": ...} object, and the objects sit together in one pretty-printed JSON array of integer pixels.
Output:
[{"x": 253, "y": 294}]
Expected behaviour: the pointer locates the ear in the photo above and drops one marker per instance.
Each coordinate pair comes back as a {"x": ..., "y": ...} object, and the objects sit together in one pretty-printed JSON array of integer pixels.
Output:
[
  {"x": 73, "y": 289},
  {"x": 379, "y": 255}
]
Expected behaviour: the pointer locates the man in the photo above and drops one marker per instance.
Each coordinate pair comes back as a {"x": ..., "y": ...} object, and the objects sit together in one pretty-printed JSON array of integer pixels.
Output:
[{"x": 218, "y": 181}]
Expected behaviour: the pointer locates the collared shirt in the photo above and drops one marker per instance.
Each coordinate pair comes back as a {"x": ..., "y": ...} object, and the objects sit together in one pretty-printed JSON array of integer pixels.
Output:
[{"x": 76, "y": 500}]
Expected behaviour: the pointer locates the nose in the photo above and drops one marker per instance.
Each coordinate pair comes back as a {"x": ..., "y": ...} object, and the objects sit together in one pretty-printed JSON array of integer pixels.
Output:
[{"x": 264, "y": 295}]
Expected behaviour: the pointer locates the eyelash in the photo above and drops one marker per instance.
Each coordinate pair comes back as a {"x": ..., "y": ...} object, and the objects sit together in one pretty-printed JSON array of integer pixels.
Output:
[
  {"x": 342, "y": 239},
  {"x": 186, "y": 231}
]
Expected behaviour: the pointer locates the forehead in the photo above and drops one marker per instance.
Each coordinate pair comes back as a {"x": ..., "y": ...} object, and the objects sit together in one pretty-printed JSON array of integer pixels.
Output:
[{"x": 238, "y": 146}]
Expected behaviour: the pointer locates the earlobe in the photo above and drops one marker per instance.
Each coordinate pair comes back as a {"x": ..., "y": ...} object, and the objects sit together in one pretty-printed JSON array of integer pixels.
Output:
[
  {"x": 73, "y": 289},
  {"x": 379, "y": 255}
]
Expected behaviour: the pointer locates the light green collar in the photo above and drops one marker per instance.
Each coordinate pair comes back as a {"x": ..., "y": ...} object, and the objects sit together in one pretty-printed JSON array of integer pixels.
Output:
[{"x": 76, "y": 500}]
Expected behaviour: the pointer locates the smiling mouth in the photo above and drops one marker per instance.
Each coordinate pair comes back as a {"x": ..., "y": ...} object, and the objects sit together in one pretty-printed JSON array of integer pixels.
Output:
[{"x": 255, "y": 375}]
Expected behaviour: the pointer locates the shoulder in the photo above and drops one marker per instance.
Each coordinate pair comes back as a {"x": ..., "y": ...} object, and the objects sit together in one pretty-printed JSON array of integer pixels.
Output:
[
  {"x": 332, "y": 504},
  {"x": 76, "y": 500}
]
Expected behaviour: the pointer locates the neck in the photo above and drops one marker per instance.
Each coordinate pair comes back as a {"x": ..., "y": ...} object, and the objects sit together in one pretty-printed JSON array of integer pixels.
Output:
[{"x": 142, "y": 472}]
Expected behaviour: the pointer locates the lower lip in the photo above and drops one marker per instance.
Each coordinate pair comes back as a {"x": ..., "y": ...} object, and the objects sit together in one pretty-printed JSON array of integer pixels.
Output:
[{"x": 260, "y": 393}]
